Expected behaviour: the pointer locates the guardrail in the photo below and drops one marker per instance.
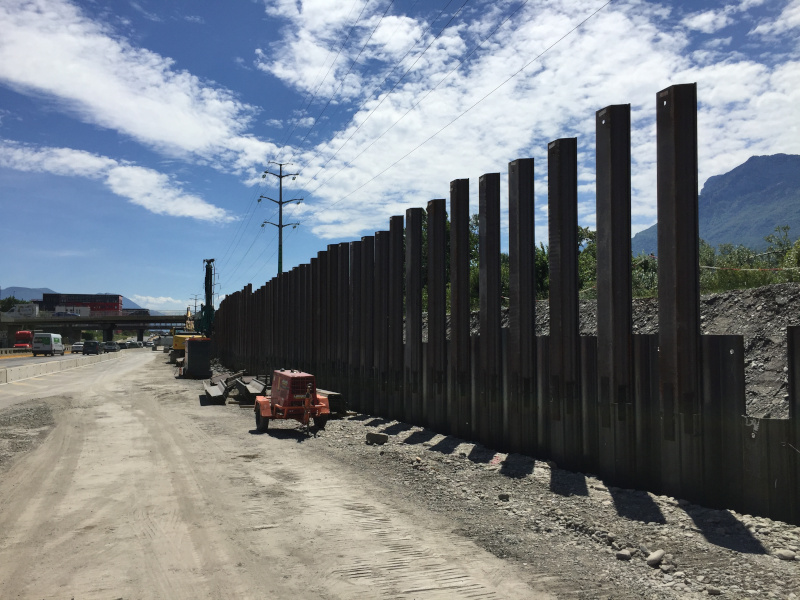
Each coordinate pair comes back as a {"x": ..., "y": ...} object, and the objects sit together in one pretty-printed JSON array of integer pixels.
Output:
[
  {"x": 144, "y": 312},
  {"x": 11, "y": 374}
]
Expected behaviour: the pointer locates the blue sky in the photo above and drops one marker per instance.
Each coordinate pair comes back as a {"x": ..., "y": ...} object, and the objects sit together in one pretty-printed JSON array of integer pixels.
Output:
[{"x": 134, "y": 135}]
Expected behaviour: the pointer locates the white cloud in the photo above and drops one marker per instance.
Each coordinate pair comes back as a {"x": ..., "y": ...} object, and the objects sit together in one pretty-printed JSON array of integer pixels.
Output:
[
  {"x": 59, "y": 161},
  {"x": 394, "y": 35},
  {"x": 748, "y": 4},
  {"x": 624, "y": 54},
  {"x": 144, "y": 187},
  {"x": 788, "y": 20},
  {"x": 155, "y": 192},
  {"x": 160, "y": 302},
  {"x": 49, "y": 47},
  {"x": 150, "y": 16},
  {"x": 709, "y": 21}
]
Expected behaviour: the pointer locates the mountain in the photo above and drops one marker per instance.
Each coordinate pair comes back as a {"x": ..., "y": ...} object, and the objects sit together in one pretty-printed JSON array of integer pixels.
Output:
[
  {"x": 126, "y": 302},
  {"x": 24, "y": 293},
  {"x": 744, "y": 205}
]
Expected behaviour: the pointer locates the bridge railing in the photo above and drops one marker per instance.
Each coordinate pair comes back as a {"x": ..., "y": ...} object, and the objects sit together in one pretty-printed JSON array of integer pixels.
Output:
[{"x": 132, "y": 312}]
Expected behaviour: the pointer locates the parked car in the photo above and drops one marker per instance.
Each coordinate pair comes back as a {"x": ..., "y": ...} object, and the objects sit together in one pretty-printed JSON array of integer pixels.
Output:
[
  {"x": 148, "y": 344},
  {"x": 91, "y": 347},
  {"x": 77, "y": 347},
  {"x": 110, "y": 347}
]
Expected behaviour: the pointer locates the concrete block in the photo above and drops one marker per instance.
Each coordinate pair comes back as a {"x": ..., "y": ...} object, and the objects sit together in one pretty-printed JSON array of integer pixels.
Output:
[
  {"x": 377, "y": 438},
  {"x": 3, "y": 376},
  {"x": 17, "y": 373}
]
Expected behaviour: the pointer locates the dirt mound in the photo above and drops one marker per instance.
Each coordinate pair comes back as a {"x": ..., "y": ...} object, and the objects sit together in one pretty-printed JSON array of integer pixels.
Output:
[{"x": 759, "y": 315}]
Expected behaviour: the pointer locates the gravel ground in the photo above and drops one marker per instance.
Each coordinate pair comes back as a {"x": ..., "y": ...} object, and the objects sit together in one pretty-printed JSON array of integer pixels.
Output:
[
  {"x": 596, "y": 541},
  {"x": 760, "y": 315},
  {"x": 22, "y": 428},
  {"x": 571, "y": 523}
]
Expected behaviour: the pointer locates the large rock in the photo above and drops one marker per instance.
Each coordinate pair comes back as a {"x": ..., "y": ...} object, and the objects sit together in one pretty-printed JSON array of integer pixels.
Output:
[
  {"x": 655, "y": 558},
  {"x": 373, "y": 437}
]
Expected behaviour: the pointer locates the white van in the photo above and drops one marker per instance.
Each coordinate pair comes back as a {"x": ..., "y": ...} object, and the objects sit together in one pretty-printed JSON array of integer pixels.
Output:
[{"x": 47, "y": 343}]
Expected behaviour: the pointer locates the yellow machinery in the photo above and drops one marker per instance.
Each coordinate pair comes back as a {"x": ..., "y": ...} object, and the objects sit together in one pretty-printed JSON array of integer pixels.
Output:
[{"x": 179, "y": 343}]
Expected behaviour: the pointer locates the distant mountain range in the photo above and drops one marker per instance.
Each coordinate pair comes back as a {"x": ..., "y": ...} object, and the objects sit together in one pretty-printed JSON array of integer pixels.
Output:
[
  {"x": 744, "y": 205},
  {"x": 25, "y": 293}
]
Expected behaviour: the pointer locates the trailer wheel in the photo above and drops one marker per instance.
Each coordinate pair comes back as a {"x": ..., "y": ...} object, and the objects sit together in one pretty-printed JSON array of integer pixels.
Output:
[
  {"x": 320, "y": 422},
  {"x": 262, "y": 424}
]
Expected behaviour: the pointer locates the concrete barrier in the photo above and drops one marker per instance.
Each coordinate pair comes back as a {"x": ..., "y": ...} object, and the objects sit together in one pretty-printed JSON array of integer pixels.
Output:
[
  {"x": 15, "y": 350},
  {"x": 11, "y": 374}
]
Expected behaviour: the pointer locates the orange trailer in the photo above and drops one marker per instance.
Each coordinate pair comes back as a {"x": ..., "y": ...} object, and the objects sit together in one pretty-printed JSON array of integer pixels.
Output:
[{"x": 293, "y": 396}]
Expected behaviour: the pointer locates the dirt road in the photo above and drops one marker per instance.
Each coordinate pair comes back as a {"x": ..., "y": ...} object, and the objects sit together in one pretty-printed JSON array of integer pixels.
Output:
[{"x": 133, "y": 489}]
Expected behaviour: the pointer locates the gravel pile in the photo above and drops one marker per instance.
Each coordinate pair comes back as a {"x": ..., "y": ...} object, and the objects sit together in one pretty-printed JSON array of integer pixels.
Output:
[
  {"x": 21, "y": 428},
  {"x": 760, "y": 315}
]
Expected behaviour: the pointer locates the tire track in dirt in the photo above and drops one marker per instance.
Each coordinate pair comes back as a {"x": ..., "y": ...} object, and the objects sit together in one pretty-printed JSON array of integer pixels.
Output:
[{"x": 159, "y": 497}]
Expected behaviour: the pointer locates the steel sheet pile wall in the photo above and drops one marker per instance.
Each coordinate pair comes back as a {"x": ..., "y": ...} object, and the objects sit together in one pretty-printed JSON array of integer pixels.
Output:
[{"x": 660, "y": 412}]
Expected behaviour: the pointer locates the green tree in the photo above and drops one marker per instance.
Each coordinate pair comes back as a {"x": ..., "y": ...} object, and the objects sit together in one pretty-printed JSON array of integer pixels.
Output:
[
  {"x": 6, "y": 304},
  {"x": 474, "y": 267},
  {"x": 587, "y": 262},
  {"x": 644, "y": 275},
  {"x": 474, "y": 240},
  {"x": 707, "y": 254},
  {"x": 792, "y": 258},
  {"x": 778, "y": 245},
  {"x": 542, "y": 268}
]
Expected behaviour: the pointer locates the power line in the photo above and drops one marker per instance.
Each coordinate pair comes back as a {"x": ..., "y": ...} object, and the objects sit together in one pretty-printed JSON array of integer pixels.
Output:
[
  {"x": 280, "y": 202},
  {"x": 396, "y": 83},
  {"x": 258, "y": 259},
  {"x": 344, "y": 77},
  {"x": 410, "y": 152},
  {"x": 311, "y": 95},
  {"x": 516, "y": 73},
  {"x": 286, "y": 139},
  {"x": 241, "y": 222},
  {"x": 229, "y": 276},
  {"x": 413, "y": 106},
  {"x": 246, "y": 221},
  {"x": 349, "y": 33}
]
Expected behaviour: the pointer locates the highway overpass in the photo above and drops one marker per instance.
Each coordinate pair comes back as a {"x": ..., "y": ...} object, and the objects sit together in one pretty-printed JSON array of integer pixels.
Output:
[{"x": 70, "y": 327}]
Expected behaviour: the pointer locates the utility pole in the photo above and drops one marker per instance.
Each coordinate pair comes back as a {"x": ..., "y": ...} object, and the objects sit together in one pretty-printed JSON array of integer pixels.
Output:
[
  {"x": 280, "y": 202},
  {"x": 195, "y": 297}
]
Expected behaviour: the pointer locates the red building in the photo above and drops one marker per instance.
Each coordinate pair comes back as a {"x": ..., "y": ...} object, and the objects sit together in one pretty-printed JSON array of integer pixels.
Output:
[{"x": 95, "y": 302}]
